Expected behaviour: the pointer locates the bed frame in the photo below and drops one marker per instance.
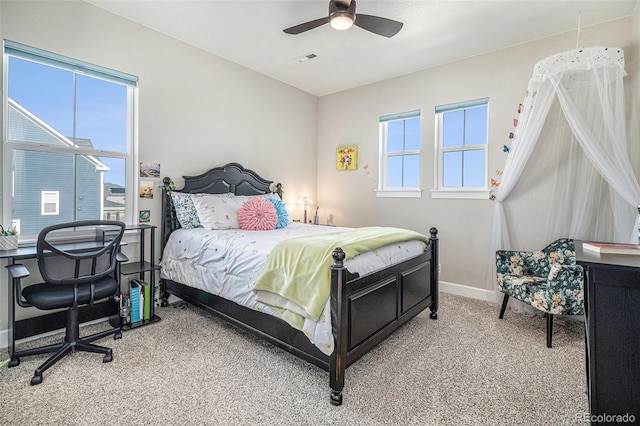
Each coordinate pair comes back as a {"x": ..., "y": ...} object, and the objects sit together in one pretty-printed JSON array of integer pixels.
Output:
[{"x": 364, "y": 310}]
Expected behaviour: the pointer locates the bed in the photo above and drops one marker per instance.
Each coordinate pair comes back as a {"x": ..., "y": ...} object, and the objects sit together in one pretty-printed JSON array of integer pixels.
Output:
[{"x": 363, "y": 308}]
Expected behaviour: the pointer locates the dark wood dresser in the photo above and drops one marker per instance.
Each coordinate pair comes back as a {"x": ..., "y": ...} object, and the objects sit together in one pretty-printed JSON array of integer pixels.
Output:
[{"x": 612, "y": 327}]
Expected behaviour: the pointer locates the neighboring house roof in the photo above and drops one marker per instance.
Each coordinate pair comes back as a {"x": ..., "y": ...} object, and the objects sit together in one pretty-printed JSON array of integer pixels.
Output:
[
  {"x": 39, "y": 131},
  {"x": 112, "y": 204},
  {"x": 113, "y": 189}
]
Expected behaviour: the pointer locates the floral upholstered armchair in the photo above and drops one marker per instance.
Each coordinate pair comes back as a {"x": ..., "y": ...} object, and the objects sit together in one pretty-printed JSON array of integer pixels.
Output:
[{"x": 549, "y": 280}]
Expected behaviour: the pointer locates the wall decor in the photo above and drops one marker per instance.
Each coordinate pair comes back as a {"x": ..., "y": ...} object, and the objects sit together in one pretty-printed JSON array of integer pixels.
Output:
[
  {"x": 144, "y": 216},
  {"x": 146, "y": 189},
  {"x": 347, "y": 157},
  {"x": 151, "y": 170}
]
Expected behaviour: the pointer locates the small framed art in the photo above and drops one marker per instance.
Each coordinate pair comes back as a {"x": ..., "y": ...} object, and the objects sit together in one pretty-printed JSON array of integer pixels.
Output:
[
  {"x": 144, "y": 216},
  {"x": 347, "y": 157}
]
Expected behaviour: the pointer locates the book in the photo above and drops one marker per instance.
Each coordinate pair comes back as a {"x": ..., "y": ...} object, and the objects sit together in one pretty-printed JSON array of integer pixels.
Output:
[
  {"x": 612, "y": 248},
  {"x": 147, "y": 301},
  {"x": 136, "y": 314}
]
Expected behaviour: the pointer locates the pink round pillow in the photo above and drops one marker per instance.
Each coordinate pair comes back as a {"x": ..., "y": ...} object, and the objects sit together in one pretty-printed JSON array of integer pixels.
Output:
[{"x": 257, "y": 214}]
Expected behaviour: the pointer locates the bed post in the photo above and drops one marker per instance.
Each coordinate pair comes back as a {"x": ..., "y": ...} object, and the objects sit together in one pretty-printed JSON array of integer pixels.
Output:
[
  {"x": 339, "y": 326},
  {"x": 435, "y": 268},
  {"x": 168, "y": 223}
]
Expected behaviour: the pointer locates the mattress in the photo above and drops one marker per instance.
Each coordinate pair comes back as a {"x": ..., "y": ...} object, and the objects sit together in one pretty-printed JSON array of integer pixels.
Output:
[{"x": 227, "y": 263}]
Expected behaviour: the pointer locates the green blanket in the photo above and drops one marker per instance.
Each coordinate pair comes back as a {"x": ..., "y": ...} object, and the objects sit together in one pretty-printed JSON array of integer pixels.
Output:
[{"x": 296, "y": 278}]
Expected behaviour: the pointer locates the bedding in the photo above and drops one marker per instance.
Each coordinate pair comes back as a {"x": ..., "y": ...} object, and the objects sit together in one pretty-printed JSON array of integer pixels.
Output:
[{"x": 229, "y": 262}]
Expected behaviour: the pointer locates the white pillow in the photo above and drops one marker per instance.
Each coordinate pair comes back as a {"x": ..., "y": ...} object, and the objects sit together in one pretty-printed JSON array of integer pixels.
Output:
[{"x": 218, "y": 212}]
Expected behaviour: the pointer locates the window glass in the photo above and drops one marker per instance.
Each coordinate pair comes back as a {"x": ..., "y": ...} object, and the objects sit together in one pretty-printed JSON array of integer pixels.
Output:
[
  {"x": 400, "y": 148},
  {"x": 453, "y": 127},
  {"x": 101, "y": 113},
  {"x": 462, "y": 138},
  {"x": 69, "y": 140},
  {"x": 475, "y": 126}
]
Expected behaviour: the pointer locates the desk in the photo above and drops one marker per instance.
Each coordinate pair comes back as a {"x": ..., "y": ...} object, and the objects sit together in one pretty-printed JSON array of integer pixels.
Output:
[
  {"x": 49, "y": 322},
  {"x": 612, "y": 329}
]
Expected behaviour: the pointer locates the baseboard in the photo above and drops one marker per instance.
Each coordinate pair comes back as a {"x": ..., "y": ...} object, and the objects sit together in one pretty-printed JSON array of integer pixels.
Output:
[{"x": 472, "y": 292}]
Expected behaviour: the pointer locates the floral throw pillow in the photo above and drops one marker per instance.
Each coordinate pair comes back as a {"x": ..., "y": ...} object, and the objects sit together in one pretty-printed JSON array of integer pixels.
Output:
[{"x": 185, "y": 210}]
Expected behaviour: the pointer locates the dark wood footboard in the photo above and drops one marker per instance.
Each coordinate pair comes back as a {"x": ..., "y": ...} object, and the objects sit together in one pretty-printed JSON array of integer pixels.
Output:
[{"x": 364, "y": 309}]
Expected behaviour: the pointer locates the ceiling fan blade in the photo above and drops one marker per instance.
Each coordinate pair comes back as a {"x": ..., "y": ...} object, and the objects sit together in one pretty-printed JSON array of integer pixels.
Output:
[
  {"x": 381, "y": 26},
  {"x": 297, "y": 29}
]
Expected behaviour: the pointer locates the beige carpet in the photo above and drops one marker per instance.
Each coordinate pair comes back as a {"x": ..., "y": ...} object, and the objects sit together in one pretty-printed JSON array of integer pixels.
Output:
[{"x": 466, "y": 368}]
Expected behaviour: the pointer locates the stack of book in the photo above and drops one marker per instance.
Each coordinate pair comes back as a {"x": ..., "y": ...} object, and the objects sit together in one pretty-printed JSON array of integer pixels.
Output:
[
  {"x": 139, "y": 300},
  {"x": 611, "y": 248}
]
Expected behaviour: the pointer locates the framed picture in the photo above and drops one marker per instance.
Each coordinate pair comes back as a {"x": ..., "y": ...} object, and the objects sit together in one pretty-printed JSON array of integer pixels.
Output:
[
  {"x": 151, "y": 170},
  {"x": 144, "y": 216},
  {"x": 146, "y": 189},
  {"x": 347, "y": 157}
]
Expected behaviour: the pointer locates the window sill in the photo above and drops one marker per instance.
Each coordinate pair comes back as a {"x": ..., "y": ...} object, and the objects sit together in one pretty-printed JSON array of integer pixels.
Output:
[
  {"x": 399, "y": 193},
  {"x": 462, "y": 194}
]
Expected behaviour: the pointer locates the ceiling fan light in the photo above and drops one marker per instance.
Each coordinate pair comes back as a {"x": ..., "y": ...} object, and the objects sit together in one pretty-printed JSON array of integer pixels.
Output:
[{"x": 341, "y": 21}]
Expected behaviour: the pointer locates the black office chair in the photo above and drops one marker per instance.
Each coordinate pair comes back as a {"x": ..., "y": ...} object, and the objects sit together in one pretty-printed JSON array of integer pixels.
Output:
[{"x": 76, "y": 272}]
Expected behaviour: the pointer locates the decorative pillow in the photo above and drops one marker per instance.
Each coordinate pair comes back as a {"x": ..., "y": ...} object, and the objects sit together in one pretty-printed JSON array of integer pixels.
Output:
[
  {"x": 257, "y": 214},
  {"x": 281, "y": 211},
  {"x": 217, "y": 212},
  {"x": 186, "y": 212}
]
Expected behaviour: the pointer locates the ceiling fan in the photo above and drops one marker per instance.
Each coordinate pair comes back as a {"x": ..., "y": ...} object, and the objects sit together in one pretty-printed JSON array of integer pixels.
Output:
[{"x": 342, "y": 15}]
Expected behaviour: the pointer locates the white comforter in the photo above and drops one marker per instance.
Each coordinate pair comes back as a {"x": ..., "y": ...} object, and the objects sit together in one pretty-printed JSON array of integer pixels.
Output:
[{"x": 228, "y": 262}]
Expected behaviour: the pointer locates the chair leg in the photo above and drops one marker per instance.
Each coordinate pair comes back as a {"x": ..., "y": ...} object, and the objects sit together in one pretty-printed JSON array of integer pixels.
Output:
[
  {"x": 88, "y": 347},
  {"x": 504, "y": 305},
  {"x": 15, "y": 358},
  {"x": 64, "y": 350},
  {"x": 549, "y": 328}
]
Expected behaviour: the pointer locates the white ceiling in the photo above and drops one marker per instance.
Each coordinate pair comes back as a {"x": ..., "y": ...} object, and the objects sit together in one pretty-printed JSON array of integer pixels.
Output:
[{"x": 435, "y": 32}]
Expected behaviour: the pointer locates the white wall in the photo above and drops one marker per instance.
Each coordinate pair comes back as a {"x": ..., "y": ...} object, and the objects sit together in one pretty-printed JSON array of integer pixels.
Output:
[
  {"x": 351, "y": 117},
  {"x": 196, "y": 110}
]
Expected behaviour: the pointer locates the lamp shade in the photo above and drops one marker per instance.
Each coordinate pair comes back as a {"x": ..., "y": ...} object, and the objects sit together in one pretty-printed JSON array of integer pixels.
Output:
[
  {"x": 341, "y": 21},
  {"x": 305, "y": 200}
]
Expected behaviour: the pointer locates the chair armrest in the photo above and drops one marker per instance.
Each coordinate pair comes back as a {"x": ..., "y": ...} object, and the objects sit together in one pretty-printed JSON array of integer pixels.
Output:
[
  {"x": 566, "y": 277},
  {"x": 18, "y": 271},
  {"x": 121, "y": 257},
  {"x": 565, "y": 287}
]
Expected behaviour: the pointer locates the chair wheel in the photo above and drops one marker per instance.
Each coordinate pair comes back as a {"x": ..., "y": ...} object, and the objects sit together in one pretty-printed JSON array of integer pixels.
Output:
[
  {"x": 117, "y": 336},
  {"x": 107, "y": 358},
  {"x": 14, "y": 362},
  {"x": 36, "y": 379}
]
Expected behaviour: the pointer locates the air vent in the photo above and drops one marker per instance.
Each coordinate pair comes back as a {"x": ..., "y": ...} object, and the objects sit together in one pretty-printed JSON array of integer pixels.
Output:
[{"x": 305, "y": 58}]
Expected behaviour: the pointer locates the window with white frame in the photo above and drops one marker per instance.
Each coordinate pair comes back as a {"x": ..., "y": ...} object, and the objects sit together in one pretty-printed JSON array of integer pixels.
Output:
[
  {"x": 50, "y": 202},
  {"x": 461, "y": 150},
  {"x": 399, "y": 155},
  {"x": 69, "y": 140}
]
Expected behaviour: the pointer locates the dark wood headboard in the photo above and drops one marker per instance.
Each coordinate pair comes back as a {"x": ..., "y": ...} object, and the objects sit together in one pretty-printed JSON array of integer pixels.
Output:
[{"x": 231, "y": 177}]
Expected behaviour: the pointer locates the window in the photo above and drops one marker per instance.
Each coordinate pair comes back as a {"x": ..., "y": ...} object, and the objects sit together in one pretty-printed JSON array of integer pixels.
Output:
[
  {"x": 69, "y": 151},
  {"x": 399, "y": 155},
  {"x": 461, "y": 150},
  {"x": 50, "y": 202}
]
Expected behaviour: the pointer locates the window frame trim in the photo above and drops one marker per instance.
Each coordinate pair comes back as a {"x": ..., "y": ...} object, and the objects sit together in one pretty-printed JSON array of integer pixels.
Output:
[
  {"x": 129, "y": 154},
  {"x": 440, "y": 191},
  {"x": 395, "y": 191}
]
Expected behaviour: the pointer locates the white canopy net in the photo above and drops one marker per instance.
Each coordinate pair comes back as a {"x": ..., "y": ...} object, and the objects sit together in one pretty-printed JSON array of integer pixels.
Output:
[{"x": 568, "y": 173}]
